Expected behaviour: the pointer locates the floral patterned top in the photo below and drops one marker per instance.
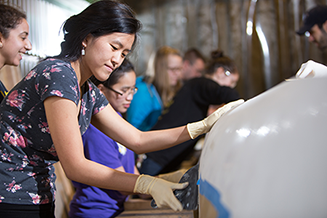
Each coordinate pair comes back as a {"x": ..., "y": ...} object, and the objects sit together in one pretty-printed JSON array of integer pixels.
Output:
[{"x": 27, "y": 152}]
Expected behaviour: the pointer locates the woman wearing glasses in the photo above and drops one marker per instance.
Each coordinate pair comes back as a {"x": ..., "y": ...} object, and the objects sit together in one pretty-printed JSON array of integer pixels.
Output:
[
  {"x": 156, "y": 89},
  {"x": 90, "y": 201}
]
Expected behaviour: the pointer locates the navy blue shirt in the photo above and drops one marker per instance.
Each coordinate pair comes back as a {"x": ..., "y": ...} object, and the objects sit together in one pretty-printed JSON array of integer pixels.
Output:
[{"x": 3, "y": 91}]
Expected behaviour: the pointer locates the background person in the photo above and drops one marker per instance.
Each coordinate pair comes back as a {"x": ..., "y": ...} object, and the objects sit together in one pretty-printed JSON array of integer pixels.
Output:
[
  {"x": 193, "y": 64},
  {"x": 191, "y": 104},
  {"x": 315, "y": 23},
  {"x": 156, "y": 88},
  {"x": 14, "y": 41}
]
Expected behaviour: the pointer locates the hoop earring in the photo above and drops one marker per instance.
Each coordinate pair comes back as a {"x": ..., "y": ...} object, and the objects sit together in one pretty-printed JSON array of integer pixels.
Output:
[{"x": 83, "y": 51}]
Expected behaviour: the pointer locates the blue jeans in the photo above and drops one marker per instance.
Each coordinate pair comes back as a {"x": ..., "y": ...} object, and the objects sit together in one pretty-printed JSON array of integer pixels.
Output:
[{"x": 150, "y": 167}]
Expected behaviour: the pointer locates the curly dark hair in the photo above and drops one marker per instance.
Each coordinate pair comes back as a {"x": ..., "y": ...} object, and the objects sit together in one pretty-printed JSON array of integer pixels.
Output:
[{"x": 10, "y": 17}]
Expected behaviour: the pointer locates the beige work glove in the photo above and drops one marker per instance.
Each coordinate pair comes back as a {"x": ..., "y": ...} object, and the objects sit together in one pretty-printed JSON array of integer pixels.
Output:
[
  {"x": 198, "y": 128},
  {"x": 173, "y": 176},
  {"x": 161, "y": 191},
  {"x": 311, "y": 69}
]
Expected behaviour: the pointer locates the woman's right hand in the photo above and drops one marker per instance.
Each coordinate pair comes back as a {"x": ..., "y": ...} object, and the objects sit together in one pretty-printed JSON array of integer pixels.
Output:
[
  {"x": 161, "y": 191},
  {"x": 198, "y": 128}
]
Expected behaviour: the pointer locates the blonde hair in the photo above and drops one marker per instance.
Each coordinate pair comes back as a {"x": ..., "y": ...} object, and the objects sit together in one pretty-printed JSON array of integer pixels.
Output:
[{"x": 161, "y": 78}]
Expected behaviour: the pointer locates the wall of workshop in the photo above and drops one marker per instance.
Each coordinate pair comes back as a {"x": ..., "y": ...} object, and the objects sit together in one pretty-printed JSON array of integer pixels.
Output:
[
  {"x": 45, "y": 18},
  {"x": 258, "y": 34}
]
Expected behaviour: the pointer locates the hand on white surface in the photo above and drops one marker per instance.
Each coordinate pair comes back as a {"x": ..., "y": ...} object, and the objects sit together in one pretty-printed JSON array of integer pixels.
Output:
[
  {"x": 161, "y": 191},
  {"x": 311, "y": 69},
  {"x": 198, "y": 128},
  {"x": 173, "y": 176}
]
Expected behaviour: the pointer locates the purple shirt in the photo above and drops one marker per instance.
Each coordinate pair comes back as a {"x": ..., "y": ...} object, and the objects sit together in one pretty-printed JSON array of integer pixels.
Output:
[{"x": 90, "y": 201}]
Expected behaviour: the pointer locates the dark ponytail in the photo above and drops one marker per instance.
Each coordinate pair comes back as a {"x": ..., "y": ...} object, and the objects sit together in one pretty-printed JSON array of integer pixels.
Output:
[{"x": 219, "y": 60}]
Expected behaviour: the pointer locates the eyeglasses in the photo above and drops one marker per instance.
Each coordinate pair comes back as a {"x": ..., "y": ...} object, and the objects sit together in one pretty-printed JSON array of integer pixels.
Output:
[
  {"x": 130, "y": 91},
  {"x": 174, "y": 69}
]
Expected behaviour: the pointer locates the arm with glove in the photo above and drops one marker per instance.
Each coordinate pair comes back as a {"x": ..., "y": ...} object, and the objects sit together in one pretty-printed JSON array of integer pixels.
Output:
[
  {"x": 161, "y": 191},
  {"x": 198, "y": 128},
  {"x": 111, "y": 124},
  {"x": 161, "y": 187},
  {"x": 174, "y": 176}
]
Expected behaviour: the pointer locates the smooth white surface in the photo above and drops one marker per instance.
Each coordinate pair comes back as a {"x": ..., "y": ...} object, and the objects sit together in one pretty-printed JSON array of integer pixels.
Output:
[{"x": 268, "y": 157}]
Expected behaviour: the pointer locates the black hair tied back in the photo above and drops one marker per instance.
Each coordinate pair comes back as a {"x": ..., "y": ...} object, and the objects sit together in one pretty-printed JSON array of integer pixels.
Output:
[
  {"x": 100, "y": 18},
  {"x": 217, "y": 54}
]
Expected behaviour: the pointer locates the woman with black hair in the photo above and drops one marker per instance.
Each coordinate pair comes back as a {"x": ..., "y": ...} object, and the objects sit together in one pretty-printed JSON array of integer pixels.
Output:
[{"x": 43, "y": 117}]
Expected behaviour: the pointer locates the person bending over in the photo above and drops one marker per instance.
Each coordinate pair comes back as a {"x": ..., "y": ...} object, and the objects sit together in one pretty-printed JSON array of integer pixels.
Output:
[{"x": 191, "y": 104}]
